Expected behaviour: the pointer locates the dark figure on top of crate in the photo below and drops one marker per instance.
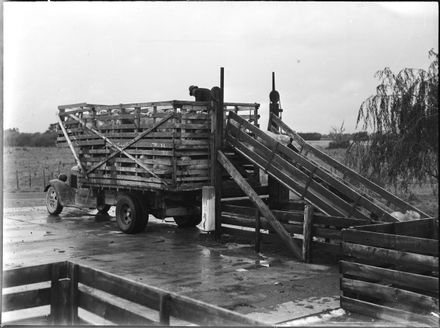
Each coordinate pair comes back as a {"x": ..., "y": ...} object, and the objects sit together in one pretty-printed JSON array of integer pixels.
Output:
[{"x": 201, "y": 94}]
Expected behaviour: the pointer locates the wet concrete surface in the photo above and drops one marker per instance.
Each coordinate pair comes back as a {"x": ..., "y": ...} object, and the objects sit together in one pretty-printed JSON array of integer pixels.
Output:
[{"x": 270, "y": 286}]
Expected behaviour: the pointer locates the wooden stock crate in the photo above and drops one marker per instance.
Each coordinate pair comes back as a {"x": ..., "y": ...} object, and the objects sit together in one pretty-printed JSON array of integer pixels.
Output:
[
  {"x": 390, "y": 271},
  {"x": 158, "y": 145}
]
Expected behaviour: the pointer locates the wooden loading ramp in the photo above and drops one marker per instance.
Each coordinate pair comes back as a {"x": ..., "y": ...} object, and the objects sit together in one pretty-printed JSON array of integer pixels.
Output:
[{"x": 310, "y": 179}]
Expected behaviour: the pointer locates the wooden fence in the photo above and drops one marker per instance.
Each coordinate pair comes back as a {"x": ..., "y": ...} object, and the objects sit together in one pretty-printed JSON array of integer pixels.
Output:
[
  {"x": 316, "y": 231},
  {"x": 110, "y": 297},
  {"x": 390, "y": 271}
]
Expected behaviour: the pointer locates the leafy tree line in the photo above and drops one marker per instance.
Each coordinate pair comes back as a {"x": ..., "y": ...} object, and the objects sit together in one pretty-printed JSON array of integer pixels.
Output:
[{"x": 14, "y": 138}]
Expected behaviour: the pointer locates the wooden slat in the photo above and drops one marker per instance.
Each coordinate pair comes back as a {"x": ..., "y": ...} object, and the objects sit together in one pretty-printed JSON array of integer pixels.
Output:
[
  {"x": 29, "y": 275},
  {"x": 205, "y": 314},
  {"x": 386, "y": 313},
  {"x": 345, "y": 170},
  {"x": 423, "y": 228},
  {"x": 26, "y": 299},
  {"x": 402, "y": 279},
  {"x": 397, "y": 242},
  {"x": 391, "y": 296},
  {"x": 378, "y": 255},
  {"x": 110, "y": 312},
  {"x": 264, "y": 210}
]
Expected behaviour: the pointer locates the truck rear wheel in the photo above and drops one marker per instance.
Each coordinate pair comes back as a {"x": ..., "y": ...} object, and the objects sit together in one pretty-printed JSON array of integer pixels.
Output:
[
  {"x": 187, "y": 221},
  {"x": 129, "y": 214},
  {"x": 52, "y": 202}
]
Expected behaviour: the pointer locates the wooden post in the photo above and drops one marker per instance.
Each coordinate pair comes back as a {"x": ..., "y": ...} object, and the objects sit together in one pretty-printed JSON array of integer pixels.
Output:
[
  {"x": 257, "y": 230},
  {"x": 277, "y": 192},
  {"x": 55, "y": 294},
  {"x": 44, "y": 179},
  {"x": 73, "y": 293},
  {"x": 307, "y": 234},
  {"x": 217, "y": 96},
  {"x": 30, "y": 178},
  {"x": 208, "y": 208},
  {"x": 16, "y": 178},
  {"x": 164, "y": 309}
]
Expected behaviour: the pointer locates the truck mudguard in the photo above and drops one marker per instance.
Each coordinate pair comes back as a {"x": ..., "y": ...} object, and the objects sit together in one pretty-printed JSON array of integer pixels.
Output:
[{"x": 66, "y": 193}]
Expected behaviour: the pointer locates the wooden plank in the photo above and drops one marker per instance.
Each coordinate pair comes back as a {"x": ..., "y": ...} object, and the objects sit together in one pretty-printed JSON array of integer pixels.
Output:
[
  {"x": 391, "y": 296},
  {"x": 264, "y": 210},
  {"x": 401, "y": 243},
  {"x": 381, "y": 256},
  {"x": 402, "y": 279},
  {"x": 417, "y": 228},
  {"x": 119, "y": 286},
  {"x": 110, "y": 312},
  {"x": 384, "y": 312},
  {"x": 347, "y": 171},
  {"x": 26, "y": 299},
  {"x": 27, "y": 275},
  {"x": 307, "y": 233},
  {"x": 204, "y": 314}
]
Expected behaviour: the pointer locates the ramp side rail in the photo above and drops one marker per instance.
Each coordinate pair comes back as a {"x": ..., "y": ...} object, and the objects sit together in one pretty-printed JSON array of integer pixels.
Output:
[{"x": 306, "y": 148}]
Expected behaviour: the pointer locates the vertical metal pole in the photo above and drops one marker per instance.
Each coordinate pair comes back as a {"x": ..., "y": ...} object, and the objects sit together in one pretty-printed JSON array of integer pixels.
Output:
[{"x": 277, "y": 192}]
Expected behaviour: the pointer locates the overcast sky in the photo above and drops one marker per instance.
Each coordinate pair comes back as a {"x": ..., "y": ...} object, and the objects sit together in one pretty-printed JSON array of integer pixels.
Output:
[{"x": 324, "y": 54}]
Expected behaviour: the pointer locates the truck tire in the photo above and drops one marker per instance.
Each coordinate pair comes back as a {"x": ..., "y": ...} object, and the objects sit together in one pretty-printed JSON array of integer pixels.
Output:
[
  {"x": 187, "y": 221},
  {"x": 52, "y": 202},
  {"x": 129, "y": 214}
]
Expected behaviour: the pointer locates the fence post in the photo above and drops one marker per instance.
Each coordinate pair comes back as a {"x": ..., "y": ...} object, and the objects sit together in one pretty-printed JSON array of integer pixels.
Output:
[
  {"x": 164, "y": 309},
  {"x": 54, "y": 294},
  {"x": 30, "y": 179},
  {"x": 44, "y": 179},
  {"x": 73, "y": 293},
  {"x": 257, "y": 230},
  {"x": 16, "y": 178},
  {"x": 307, "y": 233}
]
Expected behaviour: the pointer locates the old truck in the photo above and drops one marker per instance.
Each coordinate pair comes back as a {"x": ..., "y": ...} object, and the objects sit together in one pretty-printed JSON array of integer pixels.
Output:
[{"x": 144, "y": 158}]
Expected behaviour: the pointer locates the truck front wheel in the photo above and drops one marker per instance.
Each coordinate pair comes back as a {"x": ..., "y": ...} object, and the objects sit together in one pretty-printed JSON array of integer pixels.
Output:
[
  {"x": 52, "y": 202},
  {"x": 187, "y": 221},
  {"x": 129, "y": 214}
]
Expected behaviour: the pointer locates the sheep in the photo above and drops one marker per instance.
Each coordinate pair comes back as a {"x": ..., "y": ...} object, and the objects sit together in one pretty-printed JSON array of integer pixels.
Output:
[{"x": 408, "y": 216}]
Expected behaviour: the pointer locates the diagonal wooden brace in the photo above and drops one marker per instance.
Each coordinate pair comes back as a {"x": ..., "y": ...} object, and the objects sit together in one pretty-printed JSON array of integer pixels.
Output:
[
  {"x": 258, "y": 202},
  {"x": 112, "y": 144},
  {"x": 72, "y": 149},
  {"x": 131, "y": 142}
]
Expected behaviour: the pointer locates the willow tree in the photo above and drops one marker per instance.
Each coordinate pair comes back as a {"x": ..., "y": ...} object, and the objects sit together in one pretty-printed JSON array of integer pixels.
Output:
[{"x": 403, "y": 119}]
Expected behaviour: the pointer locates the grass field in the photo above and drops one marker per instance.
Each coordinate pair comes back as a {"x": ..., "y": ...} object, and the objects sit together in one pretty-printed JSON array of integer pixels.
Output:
[{"x": 29, "y": 168}]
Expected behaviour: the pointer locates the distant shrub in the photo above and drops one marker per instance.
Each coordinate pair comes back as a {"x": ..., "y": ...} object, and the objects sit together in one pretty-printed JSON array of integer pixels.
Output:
[
  {"x": 339, "y": 138},
  {"x": 310, "y": 135}
]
